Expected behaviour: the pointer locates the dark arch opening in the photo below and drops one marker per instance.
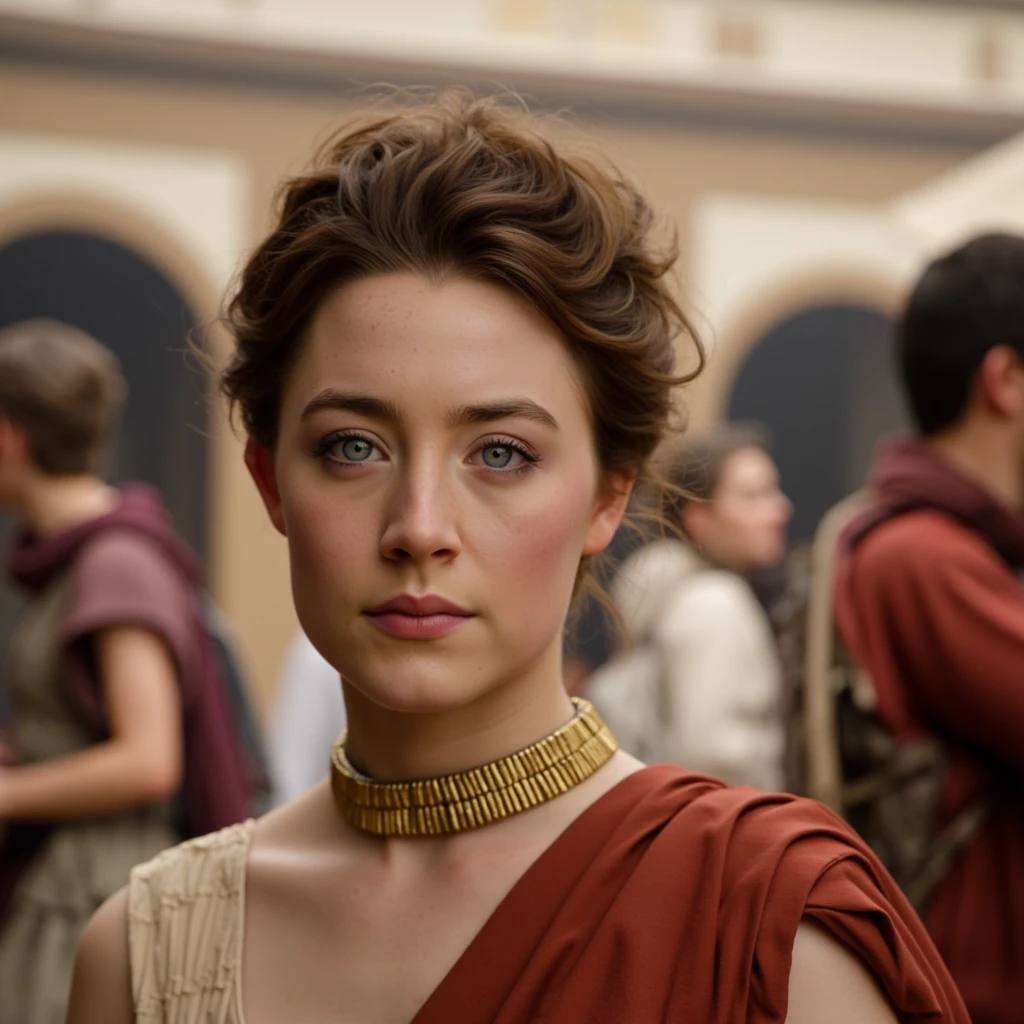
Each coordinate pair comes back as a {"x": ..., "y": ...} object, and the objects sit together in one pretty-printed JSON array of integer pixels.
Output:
[
  {"x": 824, "y": 382},
  {"x": 131, "y": 306}
]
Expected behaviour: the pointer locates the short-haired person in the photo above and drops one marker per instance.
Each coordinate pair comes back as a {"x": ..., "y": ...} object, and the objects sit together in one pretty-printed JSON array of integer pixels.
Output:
[
  {"x": 106, "y": 670},
  {"x": 454, "y": 356},
  {"x": 930, "y": 602},
  {"x": 717, "y": 706}
]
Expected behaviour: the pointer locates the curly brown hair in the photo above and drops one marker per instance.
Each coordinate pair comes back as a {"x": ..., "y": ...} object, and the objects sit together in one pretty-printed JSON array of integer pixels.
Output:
[{"x": 469, "y": 186}]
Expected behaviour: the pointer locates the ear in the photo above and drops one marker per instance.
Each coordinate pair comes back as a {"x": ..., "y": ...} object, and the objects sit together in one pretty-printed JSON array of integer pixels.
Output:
[
  {"x": 259, "y": 460},
  {"x": 1001, "y": 381},
  {"x": 609, "y": 510},
  {"x": 695, "y": 517},
  {"x": 7, "y": 438},
  {"x": 13, "y": 440}
]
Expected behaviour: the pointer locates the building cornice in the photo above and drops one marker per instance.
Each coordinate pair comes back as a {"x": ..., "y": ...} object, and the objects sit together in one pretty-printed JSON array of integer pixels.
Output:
[{"x": 923, "y": 71}]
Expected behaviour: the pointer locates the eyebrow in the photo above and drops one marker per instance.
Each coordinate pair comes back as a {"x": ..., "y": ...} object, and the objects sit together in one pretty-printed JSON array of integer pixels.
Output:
[
  {"x": 466, "y": 415},
  {"x": 511, "y": 408},
  {"x": 365, "y": 405}
]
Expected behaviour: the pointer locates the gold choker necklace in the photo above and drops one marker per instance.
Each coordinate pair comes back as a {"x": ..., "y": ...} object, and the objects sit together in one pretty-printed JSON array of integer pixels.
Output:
[{"x": 479, "y": 796}]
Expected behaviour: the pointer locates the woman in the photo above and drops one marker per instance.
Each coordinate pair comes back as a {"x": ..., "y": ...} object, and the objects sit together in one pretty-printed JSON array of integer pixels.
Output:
[
  {"x": 454, "y": 358},
  {"x": 713, "y": 698}
]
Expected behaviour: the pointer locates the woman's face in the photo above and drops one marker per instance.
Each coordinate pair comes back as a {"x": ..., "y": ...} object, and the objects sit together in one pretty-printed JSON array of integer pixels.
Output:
[
  {"x": 436, "y": 478},
  {"x": 744, "y": 525}
]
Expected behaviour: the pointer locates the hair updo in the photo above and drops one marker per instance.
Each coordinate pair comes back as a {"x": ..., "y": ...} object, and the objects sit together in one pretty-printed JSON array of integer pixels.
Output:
[{"x": 468, "y": 186}]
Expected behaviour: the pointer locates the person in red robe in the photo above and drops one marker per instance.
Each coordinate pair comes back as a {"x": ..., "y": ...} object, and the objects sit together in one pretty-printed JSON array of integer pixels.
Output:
[
  {"x": 454, "y": 358},
  {"x": 929, "y": 597}
]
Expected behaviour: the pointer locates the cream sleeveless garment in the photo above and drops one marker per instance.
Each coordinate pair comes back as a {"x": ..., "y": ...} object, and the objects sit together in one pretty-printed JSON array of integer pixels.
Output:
[{"x": 186, "y": 911}]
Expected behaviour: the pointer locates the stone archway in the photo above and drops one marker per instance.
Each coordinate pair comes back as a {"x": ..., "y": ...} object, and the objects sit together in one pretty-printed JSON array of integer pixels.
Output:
[
  {"x": 117, "y": 278},
  {"x": 113, "y": 293},
  {"x": 823, "y": 380},
  {"x": 740, "y": 361}
]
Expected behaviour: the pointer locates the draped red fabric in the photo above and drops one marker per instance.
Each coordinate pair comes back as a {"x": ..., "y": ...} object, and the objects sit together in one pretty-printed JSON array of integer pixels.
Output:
[
  {"x": 215, "y": 790},
  {"x": 928, "y": 599},
  {"x": 676, "y": 898}
]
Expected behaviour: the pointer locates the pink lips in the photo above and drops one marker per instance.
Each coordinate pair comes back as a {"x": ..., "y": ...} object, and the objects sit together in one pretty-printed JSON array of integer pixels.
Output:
[{"x": 418, "y": 618}]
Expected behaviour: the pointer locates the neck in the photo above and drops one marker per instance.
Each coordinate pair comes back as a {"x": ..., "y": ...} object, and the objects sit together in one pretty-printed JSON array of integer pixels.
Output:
[
  {"x": 51, "y": 504},
  {"x": 397, "y": 746},
  {"x": 986, "y": 454},
  {"x": 706, "y": 555}
]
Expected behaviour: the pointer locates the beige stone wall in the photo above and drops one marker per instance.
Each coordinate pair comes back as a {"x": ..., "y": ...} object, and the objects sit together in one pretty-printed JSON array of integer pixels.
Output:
[{"x": 273, "y": 133}]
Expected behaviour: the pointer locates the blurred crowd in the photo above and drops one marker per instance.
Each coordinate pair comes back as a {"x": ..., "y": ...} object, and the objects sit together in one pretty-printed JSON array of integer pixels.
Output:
[{"x": 877, "y": 668}]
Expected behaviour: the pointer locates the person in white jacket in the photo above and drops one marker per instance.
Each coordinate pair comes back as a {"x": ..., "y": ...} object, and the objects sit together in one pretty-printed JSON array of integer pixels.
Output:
[{"x": 696, "y": 628}]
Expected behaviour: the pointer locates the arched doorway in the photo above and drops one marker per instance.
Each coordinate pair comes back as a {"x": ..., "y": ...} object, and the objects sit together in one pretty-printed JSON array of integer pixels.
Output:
[
  {"x": 823, "y": 380},
  {"x": 127, "y": 302}
]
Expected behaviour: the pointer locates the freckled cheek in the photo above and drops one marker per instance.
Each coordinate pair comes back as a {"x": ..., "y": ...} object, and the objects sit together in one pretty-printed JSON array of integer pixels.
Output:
[
  {"x": 328, "y": 541},
  {"x": 532, "y": 556}
]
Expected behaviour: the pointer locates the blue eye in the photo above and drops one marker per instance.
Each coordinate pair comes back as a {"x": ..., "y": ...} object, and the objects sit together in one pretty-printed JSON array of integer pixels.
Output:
[
  {"x": 497, "y": 456},
  {"x": 505, "y": 456},
  {"x": 356, "y": 449},
  {"x": 347, "y": 450}
]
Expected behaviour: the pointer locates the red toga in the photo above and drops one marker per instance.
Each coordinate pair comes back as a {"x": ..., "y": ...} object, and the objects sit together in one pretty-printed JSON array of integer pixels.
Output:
[{"x": 677, "y": 899}]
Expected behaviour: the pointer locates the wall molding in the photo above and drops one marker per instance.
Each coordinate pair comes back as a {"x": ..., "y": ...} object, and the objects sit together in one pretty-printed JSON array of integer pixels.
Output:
[{"x": 714, "y": 95}]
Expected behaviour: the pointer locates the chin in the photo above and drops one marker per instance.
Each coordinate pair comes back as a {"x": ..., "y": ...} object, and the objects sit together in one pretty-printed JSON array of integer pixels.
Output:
[
  {"x": 417, "y": 689},
  {"x": 772, "y": 553}
]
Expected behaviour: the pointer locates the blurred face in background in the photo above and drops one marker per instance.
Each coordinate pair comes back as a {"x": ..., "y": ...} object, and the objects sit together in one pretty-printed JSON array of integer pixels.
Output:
[{"x": 743, "y": 526}]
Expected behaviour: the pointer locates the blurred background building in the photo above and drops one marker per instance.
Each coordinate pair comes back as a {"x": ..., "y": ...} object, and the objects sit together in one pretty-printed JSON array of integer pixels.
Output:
[{"x": 811, "y": 152}]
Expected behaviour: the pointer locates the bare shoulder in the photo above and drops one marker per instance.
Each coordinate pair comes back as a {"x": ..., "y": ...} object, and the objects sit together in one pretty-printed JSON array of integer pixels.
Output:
[
  {"x": 295, "y": 850},
  {"x": 303, "y": 825},
  {"x": 829, "y": 982},
  {"x": 101, "y": 989}
]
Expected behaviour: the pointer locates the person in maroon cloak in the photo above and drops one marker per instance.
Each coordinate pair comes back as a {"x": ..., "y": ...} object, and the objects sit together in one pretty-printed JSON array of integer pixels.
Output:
[
  {"x": 929, "y": 598},
  {"x": 455, "y": 355},
  {"x": 120, "y": 740}
]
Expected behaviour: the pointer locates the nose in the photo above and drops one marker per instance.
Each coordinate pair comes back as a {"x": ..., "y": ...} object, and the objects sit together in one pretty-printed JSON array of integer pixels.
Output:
[{"x": 419, "y": 523}]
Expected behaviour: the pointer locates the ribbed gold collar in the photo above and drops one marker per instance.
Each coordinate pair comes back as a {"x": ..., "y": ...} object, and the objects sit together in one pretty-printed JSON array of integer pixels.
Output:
[{"x": 478, "y": 796}]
